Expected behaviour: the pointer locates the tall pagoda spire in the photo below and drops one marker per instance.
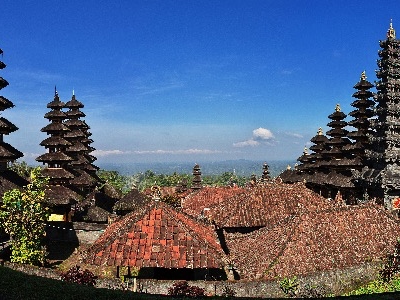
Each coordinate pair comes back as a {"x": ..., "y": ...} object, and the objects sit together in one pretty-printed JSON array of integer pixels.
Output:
[
  {"x": 363, "y": 105},
  {"x": 383, "y": 158},
  {"x": 7, "y": 152},
  {"x": 80, "y": 146}
]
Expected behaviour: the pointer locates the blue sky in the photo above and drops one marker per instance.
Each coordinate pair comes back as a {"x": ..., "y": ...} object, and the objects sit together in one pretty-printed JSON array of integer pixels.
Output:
[{"x": 189, "y": 80}]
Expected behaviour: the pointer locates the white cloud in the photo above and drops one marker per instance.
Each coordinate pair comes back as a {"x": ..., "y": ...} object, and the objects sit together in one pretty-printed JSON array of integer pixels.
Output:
[
  {"x": 262, "y": 133},
  {"x": 250, "y": 142},
  {"x": 102, "y": 153},
  {"x": 259, "y": 135},
  {"x": 292, "y": 134},
  {"x": 186, "y": 151}
]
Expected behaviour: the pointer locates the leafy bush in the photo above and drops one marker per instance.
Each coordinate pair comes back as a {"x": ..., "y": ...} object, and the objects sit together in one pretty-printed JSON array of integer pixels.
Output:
[
  {"x": 76, "y": 275},
  {"x": 182, "y": 288},
  {"x": 23, "y": 216},
  {"x": 289, "y": 286}
]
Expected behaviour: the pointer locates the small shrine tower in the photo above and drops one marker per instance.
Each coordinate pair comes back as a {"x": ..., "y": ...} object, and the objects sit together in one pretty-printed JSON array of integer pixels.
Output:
[{"x": 196, "y": 182}]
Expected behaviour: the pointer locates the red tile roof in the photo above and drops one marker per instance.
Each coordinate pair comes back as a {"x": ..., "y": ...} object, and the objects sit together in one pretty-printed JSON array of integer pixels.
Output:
[
  {"x": 314, "y": 241},
  {"x": 265, "y": 205},
  {"x": 195, "y": 203},
  {"x": 157, "y": 236}
]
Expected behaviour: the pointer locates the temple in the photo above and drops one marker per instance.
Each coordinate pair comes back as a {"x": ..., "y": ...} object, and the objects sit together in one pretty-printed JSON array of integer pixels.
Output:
[
  {"x": 362, "y": 164},
  {"x": 8, "y": 179}
]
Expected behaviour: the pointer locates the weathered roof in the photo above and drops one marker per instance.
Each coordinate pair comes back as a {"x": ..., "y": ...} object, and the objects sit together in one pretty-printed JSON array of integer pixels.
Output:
[
  {"x": 57, "y": 173},
  {"x": 60, "y": 195},
  {"x": 97, "y": 214},
  {"x": 10, "y": 180},
  {"x": 131, "y": 201},
  {"x": 74, "y": 103},
  {"x": 266, "y": 204},
  {"x": 55, "y": 115},
  {"x": 54, "y": 141},
  {"x": 5, "y": 103},
  {"x": 157, "y": 236},
  {"x": 8, "y": 152},
  {"x": 55, "y": 127},
  {"x": 6, "y": 126},
  {"x": 194, "y": 203},
  {"x": 54, "y": 157},
  {"x": 3, "y": 83},
  {"x": 315, "y": 241},
  {"x": 83, "y": 179}
]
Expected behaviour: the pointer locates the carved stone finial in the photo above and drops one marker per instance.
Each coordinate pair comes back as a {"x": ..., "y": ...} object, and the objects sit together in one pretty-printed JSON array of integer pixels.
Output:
[
  {"x": 305, "y": 151},
  {"x": 288, "y": 167},
  {"x": 363, "y": 76},
  {"x": 391, "y": 33},
  {"x": 337, "y": 108},
  {"x": 320, "y": 132}
]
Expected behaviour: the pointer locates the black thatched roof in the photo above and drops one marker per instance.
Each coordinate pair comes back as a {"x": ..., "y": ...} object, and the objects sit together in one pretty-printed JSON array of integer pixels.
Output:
[
  {"x": 55, "y": 141},
  {"x": 60, "y": 195},
  {"x": 97, "y": 214},
  {"x": 6, "y": 126},
  {"x": 9, "y": 152},
  {"x": 57, "y": 173},
  {"x": 83, "y": 179},
  {"x": 73, "y": 103},
  {"x": 3, "y": 83},
  {"x": 131, "y": 201},
  {"x": 5, "y": 103},
  {"x": 10, "y": 180},
  {"x": 55, "y": 128},
  {"x": 54, "y": 157}
]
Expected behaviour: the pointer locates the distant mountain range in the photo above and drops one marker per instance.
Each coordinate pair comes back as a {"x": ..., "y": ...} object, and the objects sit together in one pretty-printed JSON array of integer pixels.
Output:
[{"x": 240, "y": 167}]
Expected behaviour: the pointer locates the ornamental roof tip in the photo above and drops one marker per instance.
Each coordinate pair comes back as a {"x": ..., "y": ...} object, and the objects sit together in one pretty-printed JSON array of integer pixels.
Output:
[{"x": 391, "y": 33}]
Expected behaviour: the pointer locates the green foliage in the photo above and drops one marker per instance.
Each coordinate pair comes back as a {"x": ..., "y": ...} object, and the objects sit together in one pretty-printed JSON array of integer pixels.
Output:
[
  {"x": 377, "y": 286},
  {"x": 22, "y": 169},
  {"x": 289, "y": 286},
  {"x": 149, "y": 178},
  {"x": 118, "y": 181},
  {"x": 23, "y": 217}
]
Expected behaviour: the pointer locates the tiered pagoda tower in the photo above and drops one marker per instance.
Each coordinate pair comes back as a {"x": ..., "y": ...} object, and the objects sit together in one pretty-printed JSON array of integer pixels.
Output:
[
  {"x": 196, "y": 182},
  {"x": 8, "y": 179},
  {"x": 338, "y": 140},
  {"x": 384, "y": 158},
  {"x": 265, "y": 177},
  {"x": 319, "y": 147},
  {"x": 56, "y": 159},
  {"x": 79, "y": 148},
  {"x": 364, "y": 106},
  {"x": 59, "y": 195}
]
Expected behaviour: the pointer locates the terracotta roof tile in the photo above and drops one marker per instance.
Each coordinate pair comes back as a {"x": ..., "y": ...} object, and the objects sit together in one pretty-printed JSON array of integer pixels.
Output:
[
  {"x": 266, "y": 204},
  {"x": 175, "y": 241},
  {"x": 195, "y": 203},
  {"x": 320, "y": 240}
]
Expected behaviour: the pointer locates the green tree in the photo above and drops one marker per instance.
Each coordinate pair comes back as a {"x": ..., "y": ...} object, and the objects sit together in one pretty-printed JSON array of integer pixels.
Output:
[
  {"x": 114, "y": 178},
  {"x": 22, "y": 169},
  {"x": 23, "y": 217}
]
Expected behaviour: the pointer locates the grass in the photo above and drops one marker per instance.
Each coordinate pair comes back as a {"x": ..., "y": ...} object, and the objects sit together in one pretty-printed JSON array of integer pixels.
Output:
[{"x": 18, "y": 285}]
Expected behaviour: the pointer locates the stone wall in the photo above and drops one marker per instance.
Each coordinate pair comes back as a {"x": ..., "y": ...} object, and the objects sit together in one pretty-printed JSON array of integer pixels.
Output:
[
  {"x": 334, "y": 282},
  {"x": 79, "y": 232}
]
